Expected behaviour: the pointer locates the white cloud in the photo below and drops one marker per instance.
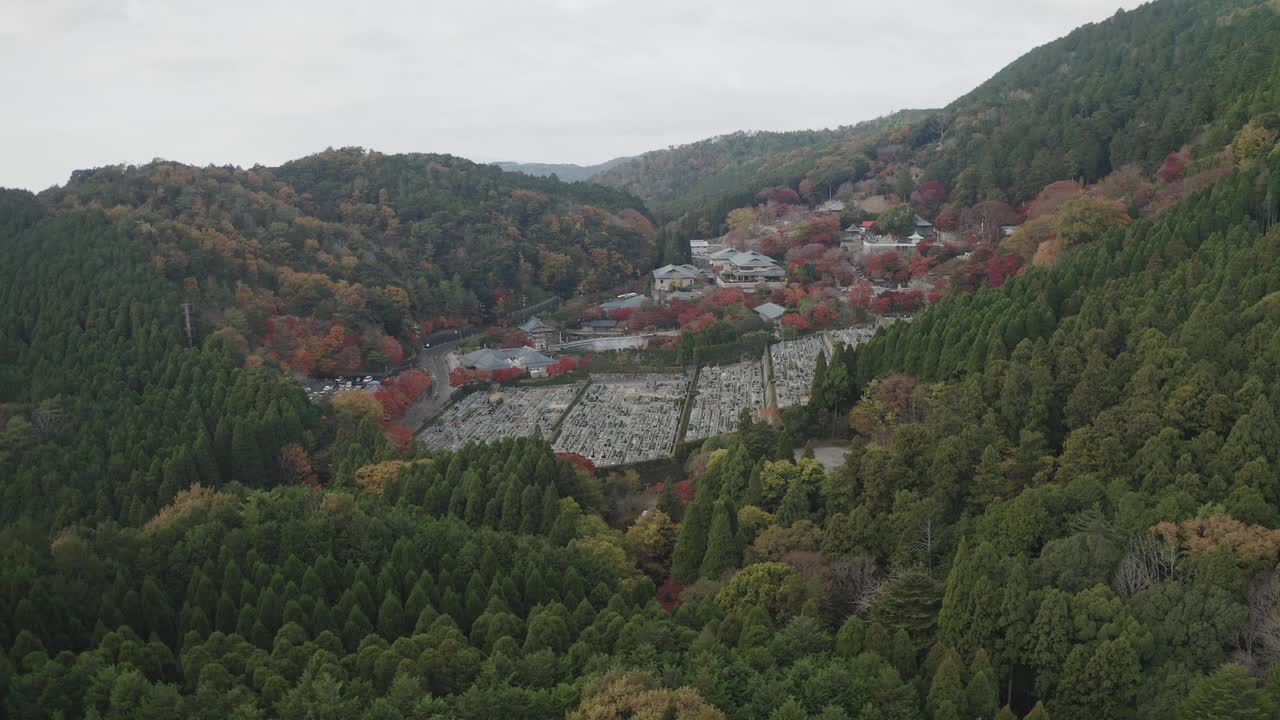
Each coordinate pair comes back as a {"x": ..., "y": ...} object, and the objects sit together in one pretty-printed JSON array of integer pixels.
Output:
[{"x": 91, "y": 83}]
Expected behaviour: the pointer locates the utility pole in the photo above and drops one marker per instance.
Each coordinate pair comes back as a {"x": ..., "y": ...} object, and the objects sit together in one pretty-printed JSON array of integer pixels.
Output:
[{"x": 186, "y": 311}]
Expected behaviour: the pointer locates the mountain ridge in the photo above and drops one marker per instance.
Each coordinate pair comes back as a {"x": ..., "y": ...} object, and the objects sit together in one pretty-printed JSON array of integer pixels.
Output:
[{"x": 568, "y": 172}]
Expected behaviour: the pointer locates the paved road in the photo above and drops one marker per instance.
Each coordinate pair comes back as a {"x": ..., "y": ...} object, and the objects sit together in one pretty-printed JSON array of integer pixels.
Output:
[{"x": 430, "y": 405}]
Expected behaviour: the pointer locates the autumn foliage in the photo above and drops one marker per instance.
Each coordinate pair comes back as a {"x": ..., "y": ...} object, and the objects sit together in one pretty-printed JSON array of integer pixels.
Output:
[
  {"x": 398, "y": 392},
  {"x": 898, "y": 301},
  {"x": 296, "y": 464},
  {"x": 357, "y": 403},
  {"x": 399, "y": 436},
  {"x": 581, "y": 462},
  {"x": 194, "y": 499},
  {"x": 373, "y": 478},
  {"x": 1203, "y": 536},
  {"x": 459, "y": 377}
]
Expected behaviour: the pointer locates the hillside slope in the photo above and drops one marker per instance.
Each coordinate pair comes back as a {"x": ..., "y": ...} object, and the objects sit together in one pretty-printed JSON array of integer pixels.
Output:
[
  {"x": 712, "y": 176},
  {"x": 1125, "y": 91},
  {"x": 333, "y": 263},
  {"x": 1128, "y": 90},
  {"x": 1061, "y": 497}
]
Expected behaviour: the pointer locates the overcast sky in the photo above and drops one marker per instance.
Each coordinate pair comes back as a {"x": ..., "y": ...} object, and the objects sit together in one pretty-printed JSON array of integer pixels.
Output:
[{"x": 95, "y": 82}]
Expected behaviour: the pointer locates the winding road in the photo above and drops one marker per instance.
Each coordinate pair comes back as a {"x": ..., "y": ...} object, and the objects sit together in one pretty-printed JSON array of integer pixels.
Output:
[{"x": 433, "y": 361}]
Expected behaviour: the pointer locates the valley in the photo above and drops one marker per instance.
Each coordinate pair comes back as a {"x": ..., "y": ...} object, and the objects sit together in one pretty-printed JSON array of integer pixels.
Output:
[{"x": 957, "y": 413}]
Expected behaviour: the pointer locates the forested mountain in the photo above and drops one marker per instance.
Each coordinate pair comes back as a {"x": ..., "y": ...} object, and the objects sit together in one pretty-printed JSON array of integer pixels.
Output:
[
  {"x": 331, "y": 263},
  {"x": 1129, "y": 90},
  {"x": 1061, "y": 497},
  {"x": 1069, "y": 510},
  {"x": 564, "y": 171},
  {"x": 708, "y": 178}
]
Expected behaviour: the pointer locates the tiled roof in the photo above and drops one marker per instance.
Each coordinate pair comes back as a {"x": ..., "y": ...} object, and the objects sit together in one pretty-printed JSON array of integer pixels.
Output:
[
  {"x": 635, "y": 301},
  {"x": 772, "y": 311},
  {"x": 534, "y": 325},
  {"x": 490, "y": 359},
  {"x": 667, "y": 271}
]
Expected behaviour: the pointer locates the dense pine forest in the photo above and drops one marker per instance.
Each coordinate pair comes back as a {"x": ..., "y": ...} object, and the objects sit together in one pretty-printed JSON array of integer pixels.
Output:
[{"x": 1061, "y": 497}]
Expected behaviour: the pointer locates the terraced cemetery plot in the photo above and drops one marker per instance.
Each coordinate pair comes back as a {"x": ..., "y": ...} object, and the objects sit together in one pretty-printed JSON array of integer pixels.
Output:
[
  {"x": 485, "y": 417},
  {"x": 793, "y": 365},
  {"x": 624, "y": 418},
  {"x": 852, "y": 336},
  {"x": 722, "y": 392}
]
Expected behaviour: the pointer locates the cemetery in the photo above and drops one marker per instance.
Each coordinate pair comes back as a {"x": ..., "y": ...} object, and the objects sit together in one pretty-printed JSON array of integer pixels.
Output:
[
  {"x": 620, "y": 419},
  {"x": 624, "y": 419},
  {"x": 487, "y": 417},
  {"x": 851, "y": 336},
  {"x": 722, "y": 392},
  {"x": 793, "y": 364}
]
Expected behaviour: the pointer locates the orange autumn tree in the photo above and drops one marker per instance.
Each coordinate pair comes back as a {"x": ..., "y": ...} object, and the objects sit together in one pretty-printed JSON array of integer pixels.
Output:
[
  {"x": 296, "y": 465},
  {"x": 196, "y": 498},
  {"x": 373, "y": 478},
  {"x": 1204, "y": 536},
  {"x": 357, "y": 403}
]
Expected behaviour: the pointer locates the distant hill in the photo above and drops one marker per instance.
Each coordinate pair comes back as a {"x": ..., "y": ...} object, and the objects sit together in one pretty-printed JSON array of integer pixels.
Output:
[
  {"x": 564, "y": 171},
  {"x": 1118, "y": 92},
  {"x": 709, "y": 177}
]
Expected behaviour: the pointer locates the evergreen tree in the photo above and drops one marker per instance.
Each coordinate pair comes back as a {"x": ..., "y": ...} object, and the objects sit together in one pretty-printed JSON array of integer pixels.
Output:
[
  {"x": 795, "y": 504},
  {"x": 946, "y": 700},
  {"x": 966, "y": 621},
  {"x": 981, "y": 693},
  {"x": 691, "y": 545},
  {"x": 391, "y": 617},
  {"x": 721, "y": 555},
  {"x": 1230, "y": 692},
  {"x": 247, "y": 456},
  {"x": 904, "y": 654}
]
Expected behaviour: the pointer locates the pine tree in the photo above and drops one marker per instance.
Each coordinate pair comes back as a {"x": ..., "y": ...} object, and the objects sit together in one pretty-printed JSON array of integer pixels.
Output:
[
  {"x": 1013, "y": 622},
  {"x": 818, "y": 399},
  {"x": 946, "y": 699},
  {"x": 691, "y": 546},
  {"x": 550, "y": 508},
  {"x": 391, "y": 617},
  {"x": 981, "y": 692},
  {"x": 531, "y": 510},
  {"x": 904, "y": 654},
  {"x": 784, "y": 448},
  {"x": 789, "y": 710},
  {"x": 1230, "y": 693},
  {"x": 722, "y": 547},
  {"x": 851, "y": 640},
  {"x": 967, "y": 621},
  {"x": 565, "y": 527},
  {"x": 1049, "y": 639},
  {"x": 246, "y": 456},
  {"x": 755, "y": 486}
]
